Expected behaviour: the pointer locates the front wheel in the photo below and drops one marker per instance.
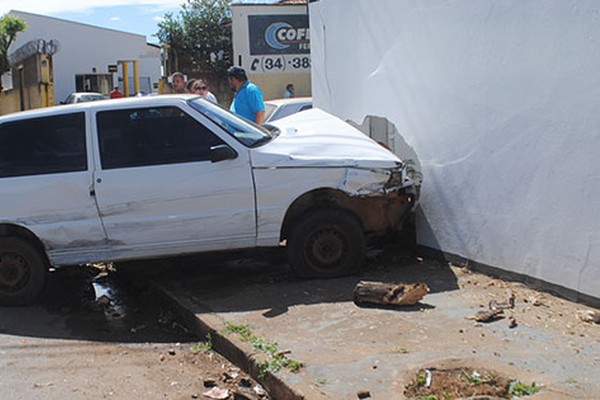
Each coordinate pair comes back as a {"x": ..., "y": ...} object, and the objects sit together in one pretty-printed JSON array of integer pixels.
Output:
[
  {"x": 326, "y": 243},
  {"x": 22, "y": 272}
]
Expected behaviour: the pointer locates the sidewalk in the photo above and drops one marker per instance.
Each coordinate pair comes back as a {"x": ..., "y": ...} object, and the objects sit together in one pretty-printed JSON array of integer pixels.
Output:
[{"x": 348, "y": 350}]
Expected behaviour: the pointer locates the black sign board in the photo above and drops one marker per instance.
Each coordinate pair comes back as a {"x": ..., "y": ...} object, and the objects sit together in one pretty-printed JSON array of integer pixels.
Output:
[
  {"x": 279, "y": 34},
  {"x": 113, "y": 68}
]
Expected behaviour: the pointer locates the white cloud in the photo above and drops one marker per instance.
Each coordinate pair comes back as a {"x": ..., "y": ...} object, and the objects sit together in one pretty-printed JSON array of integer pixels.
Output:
[
  {"x": 58, "y": 6},
  {"x": 116, "y": 19}
]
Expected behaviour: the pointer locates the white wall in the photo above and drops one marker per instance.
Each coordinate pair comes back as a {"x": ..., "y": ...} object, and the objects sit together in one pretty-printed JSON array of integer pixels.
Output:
[
  {"x": 501, "y": 101},
  {"x": 84, "y": 47}
]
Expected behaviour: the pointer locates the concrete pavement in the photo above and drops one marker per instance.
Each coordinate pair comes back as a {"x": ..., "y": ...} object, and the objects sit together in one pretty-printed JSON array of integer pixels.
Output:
[{"x": 349, "y": 350}]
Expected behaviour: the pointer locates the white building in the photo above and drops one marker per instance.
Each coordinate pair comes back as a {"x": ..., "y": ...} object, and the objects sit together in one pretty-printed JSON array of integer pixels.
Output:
[
  {"x": 85, "y": 54},
  {"x": 500, "y": 100}
]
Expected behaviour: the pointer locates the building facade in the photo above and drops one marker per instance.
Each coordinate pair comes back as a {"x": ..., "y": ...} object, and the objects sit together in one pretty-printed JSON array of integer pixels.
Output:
[
  {"x": 90, "y": 58},
  {"x": 272, "y": 43}
]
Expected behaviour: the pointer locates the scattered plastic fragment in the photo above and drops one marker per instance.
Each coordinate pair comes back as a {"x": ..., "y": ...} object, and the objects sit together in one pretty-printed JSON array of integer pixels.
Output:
[
  {"x": 217, "y": 393},
  {"x": 259, "y": 390},
  {"x": 427, "y": 378}
]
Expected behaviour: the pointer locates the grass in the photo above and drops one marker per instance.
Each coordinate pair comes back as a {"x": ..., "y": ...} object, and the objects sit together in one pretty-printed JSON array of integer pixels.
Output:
[
  {"x": 207, "y": 345},
  {"x": 518, "y": 389},
  {"x": 276, "y": 359}
]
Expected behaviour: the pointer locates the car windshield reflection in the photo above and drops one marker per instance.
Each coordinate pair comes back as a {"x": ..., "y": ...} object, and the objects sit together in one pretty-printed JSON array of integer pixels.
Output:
[{"x": 246, "y": 132}]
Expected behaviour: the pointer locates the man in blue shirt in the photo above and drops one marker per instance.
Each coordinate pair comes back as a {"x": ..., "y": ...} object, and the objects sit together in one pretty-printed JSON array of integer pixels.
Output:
[{"x": 248, "y": 101}]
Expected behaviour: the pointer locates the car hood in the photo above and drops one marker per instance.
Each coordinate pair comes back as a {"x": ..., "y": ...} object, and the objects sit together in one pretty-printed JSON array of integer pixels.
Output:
[{"x": 315, "y": 138}]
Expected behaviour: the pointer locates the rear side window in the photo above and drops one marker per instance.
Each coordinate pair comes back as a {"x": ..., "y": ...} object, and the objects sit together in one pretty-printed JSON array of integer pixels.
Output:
[
  {"x": 45, "y": 145},
  {"x": 152, "y": 136}
]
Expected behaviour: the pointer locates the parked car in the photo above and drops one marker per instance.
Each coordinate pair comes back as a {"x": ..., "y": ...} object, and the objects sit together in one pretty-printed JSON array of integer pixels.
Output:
[
  {"x": 279, "y": 108},
  {"x": 154, "y": 176},
  {"x": 80, "y": 97}
]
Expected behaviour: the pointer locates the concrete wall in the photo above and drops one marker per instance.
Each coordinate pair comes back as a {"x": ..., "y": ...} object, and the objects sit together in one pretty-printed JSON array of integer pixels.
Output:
[
  {"x": 85, "y": 47},
  {"x": 500, "y": 101}
]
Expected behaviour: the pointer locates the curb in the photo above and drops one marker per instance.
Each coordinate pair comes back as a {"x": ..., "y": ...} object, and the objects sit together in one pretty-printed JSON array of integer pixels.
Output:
[{"x": 235, "y": 350}]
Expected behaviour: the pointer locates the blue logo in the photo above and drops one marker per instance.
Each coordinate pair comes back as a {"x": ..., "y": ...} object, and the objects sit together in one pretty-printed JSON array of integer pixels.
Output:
[{"x": 271, "y": 36}]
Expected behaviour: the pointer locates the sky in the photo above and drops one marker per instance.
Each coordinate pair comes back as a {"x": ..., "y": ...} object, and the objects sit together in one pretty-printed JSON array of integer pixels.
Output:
[{"x": 134, "y": 16}]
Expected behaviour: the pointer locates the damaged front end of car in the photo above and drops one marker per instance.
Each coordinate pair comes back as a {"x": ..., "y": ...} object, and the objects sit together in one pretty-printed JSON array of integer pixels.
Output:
[{"x": 383, "y": 197}]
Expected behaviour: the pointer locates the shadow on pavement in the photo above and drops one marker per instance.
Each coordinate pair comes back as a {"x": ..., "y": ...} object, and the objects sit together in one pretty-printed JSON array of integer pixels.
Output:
[
  {"x": 84, "y": 303},
  {"x": 261, "y": 280},
  {"x": 81, "y": 303}
]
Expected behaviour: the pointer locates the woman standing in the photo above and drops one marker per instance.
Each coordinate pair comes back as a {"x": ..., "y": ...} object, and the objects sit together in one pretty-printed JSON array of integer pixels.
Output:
[{"x": 201, "y": 88}]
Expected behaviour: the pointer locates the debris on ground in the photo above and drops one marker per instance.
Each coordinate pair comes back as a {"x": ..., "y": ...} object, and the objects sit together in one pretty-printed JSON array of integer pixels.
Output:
[
  {"x": 487, "y": 315},
  {"x": 400, "y": 294},
  {"x": 589, "y": 316},
  {"x": 363, "y": 394},
  {"x": 217, "y": 393},
  {"x": 465, "y": 382},
  {"x": 508, "y": 304}
]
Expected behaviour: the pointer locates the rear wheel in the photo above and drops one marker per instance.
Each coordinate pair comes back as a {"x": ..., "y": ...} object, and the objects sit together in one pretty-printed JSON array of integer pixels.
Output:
[
  {"x": 22, "y": 271},
  {"x": 326, "y": 243}
]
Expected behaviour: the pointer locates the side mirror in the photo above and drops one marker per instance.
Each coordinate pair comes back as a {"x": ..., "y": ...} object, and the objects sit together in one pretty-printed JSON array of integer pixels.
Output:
[{"x": 222, "y": 152}]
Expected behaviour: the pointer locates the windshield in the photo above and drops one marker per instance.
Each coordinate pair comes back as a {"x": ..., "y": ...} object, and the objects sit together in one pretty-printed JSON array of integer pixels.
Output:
[
  {"x": 269, "y": 109},
  {"x": 246, "y": 132}
]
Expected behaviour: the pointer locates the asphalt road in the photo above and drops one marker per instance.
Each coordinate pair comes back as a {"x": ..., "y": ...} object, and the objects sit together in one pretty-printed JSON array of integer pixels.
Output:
[{"x": 93, "y": 337}]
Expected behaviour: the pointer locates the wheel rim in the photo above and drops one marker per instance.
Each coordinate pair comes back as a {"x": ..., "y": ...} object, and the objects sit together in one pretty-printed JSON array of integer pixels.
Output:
[
  {"x": 14, "y": 272},
  {"x": 325, "y": 248}
]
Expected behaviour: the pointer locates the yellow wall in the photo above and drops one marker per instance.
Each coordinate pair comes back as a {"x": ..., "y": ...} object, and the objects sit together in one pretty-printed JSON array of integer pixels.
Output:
[
  {"x": 273, "y": 85},
  {"x": 9, "y": 102}
]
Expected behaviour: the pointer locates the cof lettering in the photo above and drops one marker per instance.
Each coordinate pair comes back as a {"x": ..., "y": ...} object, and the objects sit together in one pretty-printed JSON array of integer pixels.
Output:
[{"x": 290, "y": 35}]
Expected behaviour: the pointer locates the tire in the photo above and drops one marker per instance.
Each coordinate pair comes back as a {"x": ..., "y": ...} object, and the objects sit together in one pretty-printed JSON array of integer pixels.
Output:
[
  {"x": 326, "y": 243},
  {"x": 23, "y": 270}
]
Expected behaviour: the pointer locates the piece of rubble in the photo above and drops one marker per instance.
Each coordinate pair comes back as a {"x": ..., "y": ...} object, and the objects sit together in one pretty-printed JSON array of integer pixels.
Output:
[
  {"x": 363, "y": 394},
  {"x": 259, "y": 390},
  {"x": 208, "y": 383},
  {"x": 389, "y": 293},
  {"x": 217, "y": 393},
  {"x": 507, "y": 304},
  {"x": 589, "y": 316},
  {"x": 487, "y": 315},
  {"x": 512, "y": 322},
  {"x": 237, "y": 395}
]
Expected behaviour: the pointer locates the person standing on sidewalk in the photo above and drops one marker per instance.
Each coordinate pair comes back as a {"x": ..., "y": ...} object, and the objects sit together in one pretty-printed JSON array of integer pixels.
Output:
[
  {"x": 248, "y": 101},
  {"x": 178, "y": 82},
  {"x": 116, "y": 93},
  {"x": 200, "y": 87}
]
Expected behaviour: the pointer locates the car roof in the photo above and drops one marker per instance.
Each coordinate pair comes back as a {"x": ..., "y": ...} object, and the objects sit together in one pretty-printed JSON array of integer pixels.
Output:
[
  {"x": 85, "y": 93},
  {"x": 125, "y": 102},
  {"x": 292, "y": 100}
]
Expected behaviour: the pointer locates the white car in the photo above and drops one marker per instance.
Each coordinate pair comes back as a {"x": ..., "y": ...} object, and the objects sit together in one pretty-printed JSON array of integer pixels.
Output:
[
  {"x": 146, "y": 177},
  {"x": 280, "y": 108},
  {"x": 80, "y": 97}
]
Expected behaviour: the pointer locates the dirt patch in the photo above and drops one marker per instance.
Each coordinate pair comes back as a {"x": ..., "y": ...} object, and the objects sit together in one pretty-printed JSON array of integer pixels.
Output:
[{"x": 434, "y": 384}]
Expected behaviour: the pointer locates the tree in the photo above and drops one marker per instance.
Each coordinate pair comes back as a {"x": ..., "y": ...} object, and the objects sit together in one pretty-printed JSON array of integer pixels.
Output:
[
  {"x": 9, "y": 27},
  {"x": 199, "y": 38}
]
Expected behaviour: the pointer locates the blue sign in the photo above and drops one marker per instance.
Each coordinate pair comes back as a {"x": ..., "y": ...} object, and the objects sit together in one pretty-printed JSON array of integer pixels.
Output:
[{"x": 279, "y": 34}]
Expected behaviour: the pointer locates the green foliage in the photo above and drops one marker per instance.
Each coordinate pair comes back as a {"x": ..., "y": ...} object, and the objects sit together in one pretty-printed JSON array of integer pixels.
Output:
[
  {"x": 421, "y": 378},
  {"x": 9, "y": 27},
  {"x": 518, "y": 389},
  {"x": 198, "y": 39},
  {"x": 276, "y": 358}
]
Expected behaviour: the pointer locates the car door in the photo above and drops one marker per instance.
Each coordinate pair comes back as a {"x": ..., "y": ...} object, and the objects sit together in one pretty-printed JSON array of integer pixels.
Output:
[
  {"x": 45, "y": 185},
  {"x": 159, "y": 193}
]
